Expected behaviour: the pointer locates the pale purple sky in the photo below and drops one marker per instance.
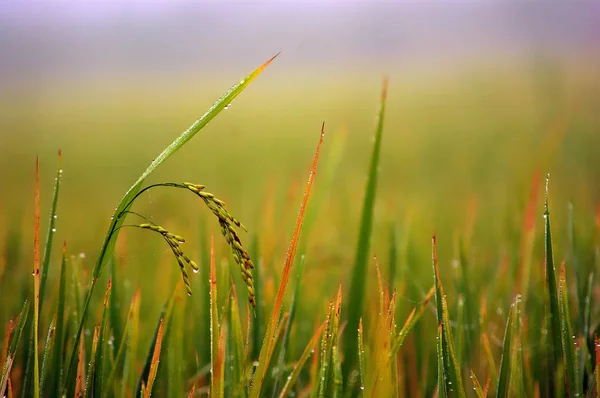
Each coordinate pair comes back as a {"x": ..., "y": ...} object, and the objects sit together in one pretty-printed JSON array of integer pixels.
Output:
[{"x": 48, "y": 39}]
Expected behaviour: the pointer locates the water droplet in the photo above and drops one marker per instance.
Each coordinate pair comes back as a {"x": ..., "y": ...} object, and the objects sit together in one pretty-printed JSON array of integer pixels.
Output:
[
  {"x": 53, "y": 229},
  {"x": 60, "y": 171},
  {"x": 82, "y": 255},
  {"x": 196, "y": 271},
  {"x": 55, "y": 216}
]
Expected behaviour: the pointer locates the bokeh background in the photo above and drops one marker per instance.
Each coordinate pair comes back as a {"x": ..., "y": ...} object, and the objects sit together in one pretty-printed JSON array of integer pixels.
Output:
[{"x": 482, "y": 94}]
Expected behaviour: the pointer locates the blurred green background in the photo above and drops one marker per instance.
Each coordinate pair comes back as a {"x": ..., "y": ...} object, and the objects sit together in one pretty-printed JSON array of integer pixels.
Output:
[{"x": 481, "y": 96}]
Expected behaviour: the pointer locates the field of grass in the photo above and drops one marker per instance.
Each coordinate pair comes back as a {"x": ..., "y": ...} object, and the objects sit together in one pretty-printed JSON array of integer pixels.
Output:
[{"x": 435, "y": 240}]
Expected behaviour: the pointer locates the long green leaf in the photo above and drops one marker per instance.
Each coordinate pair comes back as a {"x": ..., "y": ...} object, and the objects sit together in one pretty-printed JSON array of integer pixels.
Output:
[
  {"x": 451, "y": 366},
  {"x": 571, "y": 360},
  {"x": 57, "y": 355},
  {"x": 441, "y": 366},
  {"x": 102, "y": 350},
  {"x": 235, "y": 348},
  {"x": 361, "y": 259},
  {"x": 553, "y": 312},
  {"x": 89, "y": 382},
  {"x": 51, "y": 231},
  {"x": 504, "y": 377},
  {"x": 50, "y": 337},
  {"x": 117, "y": 219},
  {"x": 216, "y": 387}
]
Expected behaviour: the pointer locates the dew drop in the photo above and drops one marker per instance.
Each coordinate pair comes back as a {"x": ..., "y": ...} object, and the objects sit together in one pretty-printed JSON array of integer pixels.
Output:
[
  {"x": 53, "y": 229},
  {"x": 55, "y": 216},
  {"x": 196, "y": 271}
]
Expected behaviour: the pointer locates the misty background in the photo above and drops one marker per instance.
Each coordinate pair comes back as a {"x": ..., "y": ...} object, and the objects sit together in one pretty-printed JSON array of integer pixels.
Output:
[{"x": 476, "y": 90}]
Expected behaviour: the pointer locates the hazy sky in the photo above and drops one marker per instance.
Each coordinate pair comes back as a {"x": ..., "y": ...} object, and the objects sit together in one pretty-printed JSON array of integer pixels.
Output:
[{"x": 52, "y": 39}]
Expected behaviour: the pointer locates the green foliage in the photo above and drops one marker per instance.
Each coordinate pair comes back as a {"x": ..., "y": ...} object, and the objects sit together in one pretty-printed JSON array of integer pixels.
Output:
[
  {"x": 356, "y": 297},
  {"x": 167, "y": 344}
]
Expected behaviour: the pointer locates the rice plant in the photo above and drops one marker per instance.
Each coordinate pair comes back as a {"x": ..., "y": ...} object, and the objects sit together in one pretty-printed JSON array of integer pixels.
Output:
[{"x": 420, "y": 322}]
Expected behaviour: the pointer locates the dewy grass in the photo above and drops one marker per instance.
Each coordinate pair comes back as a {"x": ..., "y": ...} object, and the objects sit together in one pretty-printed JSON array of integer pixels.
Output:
[
  {"x": 127, "y": 200},
  {"x": 156, "y": 347}
]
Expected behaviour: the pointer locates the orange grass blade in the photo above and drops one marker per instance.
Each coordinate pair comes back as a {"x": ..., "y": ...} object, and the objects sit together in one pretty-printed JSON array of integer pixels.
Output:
[
  {"x": 192, "y": 391},
  {"x": 270, "y": 336},
  {"x": 80, "y": 370},
  {"x": 155, "y": 359},
  {"x": 36, "y": 283},
  {"x": 9, "y": 330},
  {"x": 477, "y": 386}
]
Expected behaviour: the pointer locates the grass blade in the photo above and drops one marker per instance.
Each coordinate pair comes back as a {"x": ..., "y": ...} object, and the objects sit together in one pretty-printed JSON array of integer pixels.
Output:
[
  {"x": 504, "y": 377},
  {"x": 216, "y": 388},
  {"x": 131, "y": 349},
  {"x": 477, "y": 386},
  {"x": 441, "y": 365},
  {"x": 51, "y": 231},
  {"x": 102, "y": 351},
  {"x": 110, "y": 389},
  {"x": 235, "y": 348},
  {"x": 361, "y": 355},
  {"x": 359, "y": 272},
  {"x": 12, "y": 347},
  {"x": 89, "y": 382},
  {"x": 288, "y": 327},
  {"x": 155, "y": 360},
  {"x": 57, "y": 355},
  {"x": 451, "y": 367},
  {"x": 80, "y": 370},
  {"x": 50, "y": 337},
  {"x": 258, "y": 284},
  {"x": 553, "y": 312},
  {"x": 327, "y": 386},
  {"x": 117, "y": 221},
  {"x": 293, "y": 377},
  {"x": 516, "y": 357},
  {"x": 270, "y": 335},
  {"x": 410, "y": 322},
  {"x": 571, "y": 360},
  {"x": 164, "y": 317},
  {"x": 36, "y": 284}
]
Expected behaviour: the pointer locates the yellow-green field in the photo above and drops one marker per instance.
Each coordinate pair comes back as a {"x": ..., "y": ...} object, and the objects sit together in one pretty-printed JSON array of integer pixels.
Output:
[{"x": 463, "y": 155}]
